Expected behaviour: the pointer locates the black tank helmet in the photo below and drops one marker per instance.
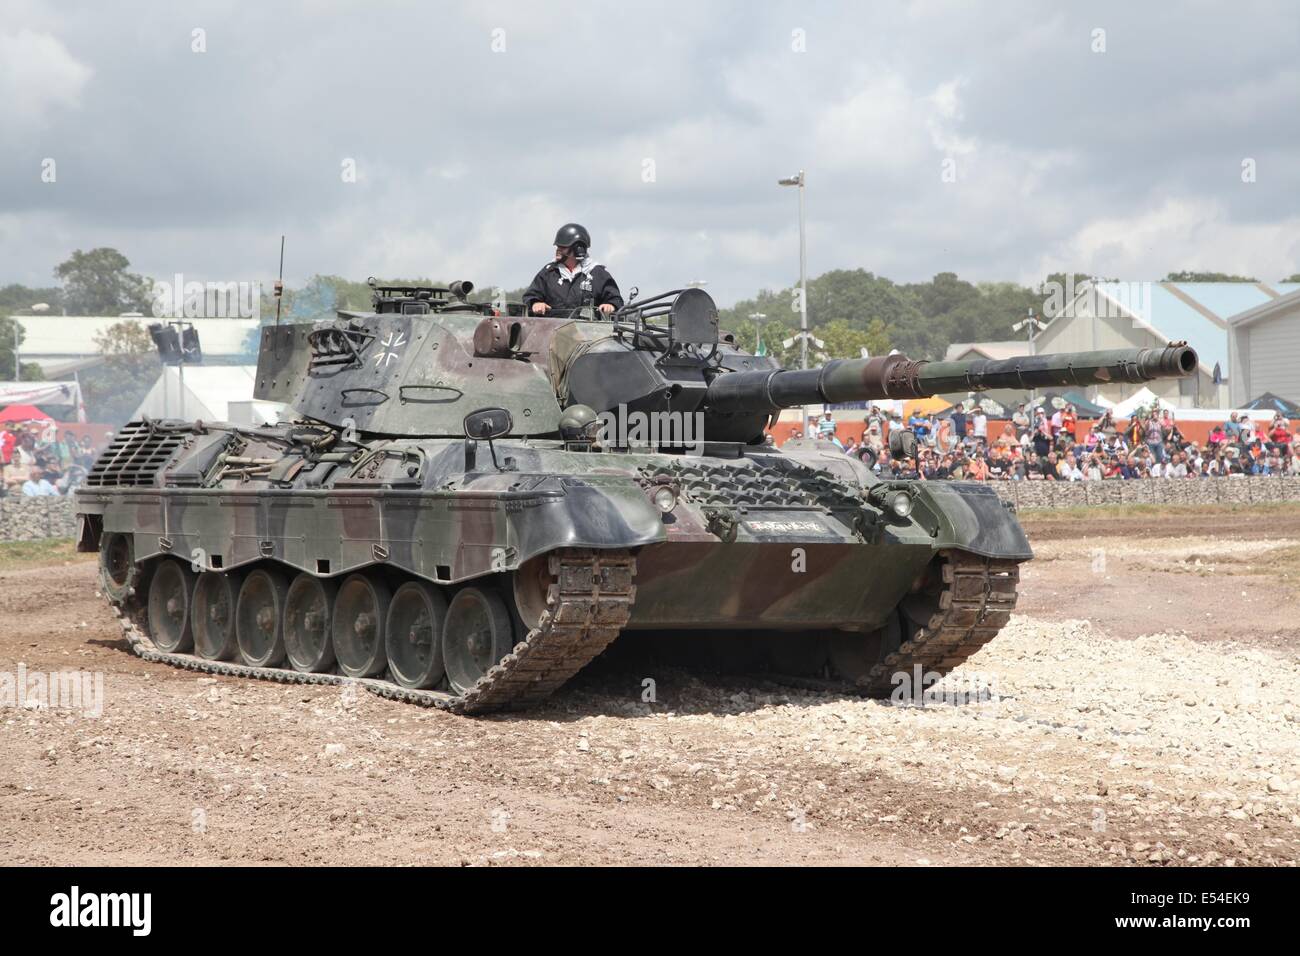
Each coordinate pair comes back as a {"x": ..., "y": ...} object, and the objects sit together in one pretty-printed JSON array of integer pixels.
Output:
[{"x": 572, "y": 234}]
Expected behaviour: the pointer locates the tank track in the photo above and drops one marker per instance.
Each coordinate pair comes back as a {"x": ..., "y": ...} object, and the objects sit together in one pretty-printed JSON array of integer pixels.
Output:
[
  {"x": 976, "y": 600},
  {"x": 588, "y": 603}
]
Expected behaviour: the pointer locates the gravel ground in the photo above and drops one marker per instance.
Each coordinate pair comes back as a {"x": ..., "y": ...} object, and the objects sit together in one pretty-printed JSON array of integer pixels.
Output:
[{"x": 1112, "y": 722}]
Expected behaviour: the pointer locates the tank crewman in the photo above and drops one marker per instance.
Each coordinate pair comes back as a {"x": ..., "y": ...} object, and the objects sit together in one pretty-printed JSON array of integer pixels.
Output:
[{"x": 573, "y": 278}]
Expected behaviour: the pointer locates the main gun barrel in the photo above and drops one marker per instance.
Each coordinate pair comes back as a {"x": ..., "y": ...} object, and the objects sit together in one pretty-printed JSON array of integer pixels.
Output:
[{"x": 897, "y": 376}]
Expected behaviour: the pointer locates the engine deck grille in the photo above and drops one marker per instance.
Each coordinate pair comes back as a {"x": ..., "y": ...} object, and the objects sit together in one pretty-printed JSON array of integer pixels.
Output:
[{"x": 134, "y": 458}]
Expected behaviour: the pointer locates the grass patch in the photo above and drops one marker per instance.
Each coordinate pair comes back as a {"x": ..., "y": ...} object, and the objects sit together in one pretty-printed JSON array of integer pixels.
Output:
[
  {"x": 34, "y": 554},
  {"x": 1282, "y": 562}
]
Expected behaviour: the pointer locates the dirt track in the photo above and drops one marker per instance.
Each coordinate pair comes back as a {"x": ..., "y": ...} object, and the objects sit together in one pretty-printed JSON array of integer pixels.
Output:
[{"x": 1166, "y": 730}]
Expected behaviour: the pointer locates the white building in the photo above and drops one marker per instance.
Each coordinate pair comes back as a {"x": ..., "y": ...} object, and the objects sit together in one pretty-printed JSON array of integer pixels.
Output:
[
  {"x": 1122, "y": 315},
  {"x": 63, "y": 344},
  {"x": 1264, "y": 350}
]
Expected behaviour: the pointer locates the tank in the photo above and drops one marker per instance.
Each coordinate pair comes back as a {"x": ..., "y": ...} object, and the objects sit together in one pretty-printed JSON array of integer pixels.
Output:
[{"x": 470, "y": 505}]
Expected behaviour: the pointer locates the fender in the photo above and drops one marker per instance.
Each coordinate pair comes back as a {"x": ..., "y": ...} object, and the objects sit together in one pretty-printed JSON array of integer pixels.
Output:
[
  {"x": 970, "y": 516},
  {"x": 605, "y": 515}
]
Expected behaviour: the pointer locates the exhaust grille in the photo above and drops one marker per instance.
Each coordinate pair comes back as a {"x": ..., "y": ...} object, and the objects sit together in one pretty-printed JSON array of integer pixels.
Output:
[{"x": 138, "y": 452}]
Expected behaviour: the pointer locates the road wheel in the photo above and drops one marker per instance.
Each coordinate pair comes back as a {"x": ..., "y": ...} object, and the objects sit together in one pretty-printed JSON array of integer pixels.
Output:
[
  {"x": 414, "y": 634},
  {"x": 476, "y": 634},
  {"x": 259, "y": 618},
  {"x": 360, "y": 610},
  {"x": 170, "y": 594},
  {"x": 213, "y": 617},
  {"x": 308, "y": 637}
]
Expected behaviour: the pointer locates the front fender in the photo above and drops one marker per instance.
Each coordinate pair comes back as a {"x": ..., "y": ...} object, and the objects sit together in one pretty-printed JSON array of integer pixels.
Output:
[
  {"x": 970, "y": 516},
  {"x": 607, "y": 515}
]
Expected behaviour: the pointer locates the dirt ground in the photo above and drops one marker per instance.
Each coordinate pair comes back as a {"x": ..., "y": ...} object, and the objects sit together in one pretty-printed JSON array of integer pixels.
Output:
[{"x": 1142, "y": 707}]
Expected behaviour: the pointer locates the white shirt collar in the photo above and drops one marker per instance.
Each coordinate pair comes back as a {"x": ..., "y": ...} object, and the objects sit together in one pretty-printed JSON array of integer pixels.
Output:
[{"x": 584, "y": 265}]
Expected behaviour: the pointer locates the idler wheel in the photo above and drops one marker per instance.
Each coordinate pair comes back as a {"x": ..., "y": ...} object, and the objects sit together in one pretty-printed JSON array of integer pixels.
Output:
[
  {"x": 360, "y": 610},
  {"x": 414, "y": 634},
  {"x": 259, "y": 618},
  {"x": 476, "y": 634},
  {"x": 308, "y": 637},
  {"x": 118, "y": 573},
  {"x": 170, "y": 594}
]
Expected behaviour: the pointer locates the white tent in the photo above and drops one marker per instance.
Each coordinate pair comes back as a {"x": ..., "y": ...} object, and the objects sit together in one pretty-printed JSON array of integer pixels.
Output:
[
  {"x": 1143, "y": 398},
  {"x": 214, "y": 393},
  {"x": 40, "y": 393}
]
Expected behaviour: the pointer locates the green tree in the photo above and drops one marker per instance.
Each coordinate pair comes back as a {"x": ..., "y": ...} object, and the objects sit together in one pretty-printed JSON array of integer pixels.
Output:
[
  {"x": 842, "y": 340},
  {"x": 114, "y": 389},
  {"x": 98, "y": 283},
  {"x": 1292, "y": 278},
  {"x": 1205, "y": 277},
  {"x": 19, "y": 298},
  {"x": 921, "y": 319},
  {"x": 30, "y": 371}
]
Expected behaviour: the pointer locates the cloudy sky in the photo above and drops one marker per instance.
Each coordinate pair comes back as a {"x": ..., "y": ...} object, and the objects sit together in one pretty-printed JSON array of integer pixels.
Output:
[{"x": 1102, "y": 137}]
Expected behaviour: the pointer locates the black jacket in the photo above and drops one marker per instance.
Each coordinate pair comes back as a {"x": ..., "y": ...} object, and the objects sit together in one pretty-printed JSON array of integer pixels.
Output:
[{"x": 596, "y": 287}]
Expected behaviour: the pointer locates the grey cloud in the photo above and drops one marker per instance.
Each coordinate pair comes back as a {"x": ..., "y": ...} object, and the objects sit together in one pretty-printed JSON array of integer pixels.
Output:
[{"x": 197, "y": 162}]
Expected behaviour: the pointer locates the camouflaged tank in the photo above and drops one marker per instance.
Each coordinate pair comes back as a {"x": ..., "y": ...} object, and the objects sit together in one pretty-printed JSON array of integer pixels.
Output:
[{"x": 471, "y": 504}]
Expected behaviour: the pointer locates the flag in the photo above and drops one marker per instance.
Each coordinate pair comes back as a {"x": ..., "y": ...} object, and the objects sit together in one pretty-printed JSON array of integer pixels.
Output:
[{"x": 81, "y": 405}]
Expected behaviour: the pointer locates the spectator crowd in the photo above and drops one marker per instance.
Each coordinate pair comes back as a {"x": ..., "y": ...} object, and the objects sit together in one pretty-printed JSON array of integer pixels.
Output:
[
  {"x": 1037, "y": 446},
  {"x": 38, "y": 459}
]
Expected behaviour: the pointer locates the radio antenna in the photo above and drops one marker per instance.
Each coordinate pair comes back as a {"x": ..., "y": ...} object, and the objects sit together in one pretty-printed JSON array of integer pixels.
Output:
[{"x": 279, "y": 297}]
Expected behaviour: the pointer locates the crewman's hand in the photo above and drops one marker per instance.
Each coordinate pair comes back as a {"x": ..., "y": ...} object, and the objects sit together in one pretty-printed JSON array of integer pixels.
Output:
[
  {"x": 607, "y": 308},
  {"x": 540, "y": 308}
]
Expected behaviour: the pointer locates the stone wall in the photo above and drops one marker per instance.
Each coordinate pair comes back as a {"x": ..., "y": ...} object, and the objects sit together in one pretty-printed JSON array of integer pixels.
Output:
[
  {"x": 1149, "y": 491},
  {"x": 22, "y": 519}
]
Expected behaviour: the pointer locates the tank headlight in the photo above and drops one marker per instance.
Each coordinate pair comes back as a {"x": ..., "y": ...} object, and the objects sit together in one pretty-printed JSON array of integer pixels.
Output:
[
  {"x": 665, "y": 498},
  {"x": 900, "y": 503}
]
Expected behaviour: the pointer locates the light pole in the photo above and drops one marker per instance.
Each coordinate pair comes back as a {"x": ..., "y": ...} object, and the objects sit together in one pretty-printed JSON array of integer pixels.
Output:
[
  {"x": 1034, "y": 325},
  {"x": 803, "y": 283}
]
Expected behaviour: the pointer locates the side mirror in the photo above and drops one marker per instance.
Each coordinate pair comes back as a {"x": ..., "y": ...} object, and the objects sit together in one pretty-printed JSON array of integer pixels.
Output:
[{"x": 488, "y": 423}]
